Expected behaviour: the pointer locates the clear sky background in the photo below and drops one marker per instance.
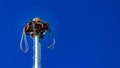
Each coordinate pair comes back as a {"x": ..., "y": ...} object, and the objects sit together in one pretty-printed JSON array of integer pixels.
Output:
[{"x": 87, "y": 33}]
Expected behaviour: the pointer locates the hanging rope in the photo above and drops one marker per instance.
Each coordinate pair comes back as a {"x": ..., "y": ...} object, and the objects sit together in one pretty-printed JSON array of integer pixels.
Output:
[
  {"x": 26, "y": 43},
  {"x": 53, "y": 44}
]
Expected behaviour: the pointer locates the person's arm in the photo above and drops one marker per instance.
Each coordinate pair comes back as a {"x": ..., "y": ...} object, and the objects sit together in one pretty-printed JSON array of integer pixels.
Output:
[
  {"x": 24, "y": 30},
  {"x": 27, "y": 27},
  {"x": 46, "y": 26}
]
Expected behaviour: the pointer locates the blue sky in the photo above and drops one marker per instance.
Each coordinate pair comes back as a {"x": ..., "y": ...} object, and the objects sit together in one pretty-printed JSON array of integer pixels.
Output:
[{"x": 87, "y": 33}]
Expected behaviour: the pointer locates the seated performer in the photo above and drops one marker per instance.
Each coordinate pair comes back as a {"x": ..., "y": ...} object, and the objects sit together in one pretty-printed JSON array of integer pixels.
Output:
[{"x": 36, "y": 27}]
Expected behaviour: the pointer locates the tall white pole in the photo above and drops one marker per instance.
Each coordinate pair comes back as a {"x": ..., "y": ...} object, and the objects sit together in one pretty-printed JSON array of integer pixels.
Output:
[{"x": 37, "y": 55}]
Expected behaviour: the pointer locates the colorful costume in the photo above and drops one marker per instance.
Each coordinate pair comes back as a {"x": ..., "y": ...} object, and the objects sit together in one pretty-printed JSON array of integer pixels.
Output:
[{"x": 36, "y": 27}]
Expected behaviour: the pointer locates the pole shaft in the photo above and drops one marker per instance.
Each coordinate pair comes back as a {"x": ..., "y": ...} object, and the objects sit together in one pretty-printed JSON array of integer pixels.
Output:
[{"x": 37, "y": 53}]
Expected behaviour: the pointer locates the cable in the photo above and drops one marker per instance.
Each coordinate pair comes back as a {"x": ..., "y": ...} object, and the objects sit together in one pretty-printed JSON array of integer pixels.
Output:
[
  {"x": 53, "y": 44},
  {"x": 26, "y": 44}
]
